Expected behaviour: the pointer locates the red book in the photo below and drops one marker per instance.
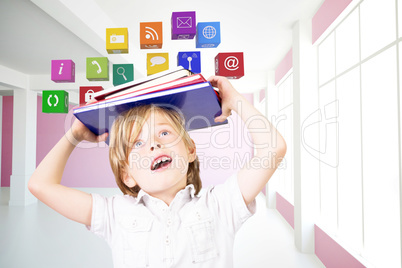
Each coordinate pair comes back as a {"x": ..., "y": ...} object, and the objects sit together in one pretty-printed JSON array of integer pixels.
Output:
[
  {"x": 181, "y": 82},
  {"x": 197, "y": 103},
  {"x": 152, "y": 80}
]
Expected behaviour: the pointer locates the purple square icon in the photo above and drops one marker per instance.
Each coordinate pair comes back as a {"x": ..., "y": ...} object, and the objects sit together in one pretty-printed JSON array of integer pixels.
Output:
[
  {"x": 183, "y": 25},
  {"x": 63, "y": 71}
]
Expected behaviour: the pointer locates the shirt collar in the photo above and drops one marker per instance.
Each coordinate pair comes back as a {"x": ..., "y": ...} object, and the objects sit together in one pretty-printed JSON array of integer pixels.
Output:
[{"x": 185, "y": 194}]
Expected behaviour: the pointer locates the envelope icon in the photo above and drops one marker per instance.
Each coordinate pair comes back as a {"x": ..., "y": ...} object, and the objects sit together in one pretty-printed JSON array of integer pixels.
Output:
[{"x": 184, "y": 22}]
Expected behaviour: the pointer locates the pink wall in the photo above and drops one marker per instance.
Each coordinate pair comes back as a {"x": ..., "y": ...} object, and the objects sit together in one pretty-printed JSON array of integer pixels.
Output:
[
  {"x": 284, "y": 67},
  {"x": 86, "y": 167},
  {"x": 331, "y": 254},
  {"x": 221, "y": 150},
  {"x": 82, "y": 165},
  {"x": 326, "y": 15},
  {"x": 7, "y": 141},
  {"x": 262, "y": 94},
  {"x": 323, "y": 18},
  {"x": 286, "y": 209}
]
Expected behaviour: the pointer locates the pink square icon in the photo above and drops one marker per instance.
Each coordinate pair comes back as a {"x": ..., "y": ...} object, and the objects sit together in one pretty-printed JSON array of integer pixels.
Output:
[{"x": 63, "y": 71}]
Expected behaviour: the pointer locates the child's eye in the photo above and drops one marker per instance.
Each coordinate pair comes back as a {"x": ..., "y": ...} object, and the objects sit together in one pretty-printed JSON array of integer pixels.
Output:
[
  {"x": 138, "y": 144},
  {"x": 164, "y": 133}
]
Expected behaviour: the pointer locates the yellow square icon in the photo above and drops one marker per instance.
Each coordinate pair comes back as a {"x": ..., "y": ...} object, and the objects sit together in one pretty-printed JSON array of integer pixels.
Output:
[
  {"x": 117, "y": 40},
  {"x": 157, "y": 62}
]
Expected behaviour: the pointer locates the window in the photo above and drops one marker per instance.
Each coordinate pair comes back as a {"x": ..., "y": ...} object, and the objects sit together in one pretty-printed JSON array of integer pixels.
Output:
[{"x": 359, "y": 171}]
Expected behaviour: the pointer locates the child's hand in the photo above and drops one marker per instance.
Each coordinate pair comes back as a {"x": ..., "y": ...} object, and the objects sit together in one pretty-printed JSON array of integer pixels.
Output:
[
  {"x": 80, "y": 132},
  {"x": 228, "y": 94}
]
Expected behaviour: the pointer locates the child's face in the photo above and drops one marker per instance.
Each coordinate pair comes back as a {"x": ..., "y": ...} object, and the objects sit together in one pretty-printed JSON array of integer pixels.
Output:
[{"x": 159, "y": 158}]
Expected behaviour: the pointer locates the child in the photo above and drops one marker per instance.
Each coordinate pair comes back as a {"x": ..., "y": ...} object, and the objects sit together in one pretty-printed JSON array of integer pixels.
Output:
[{"x": 161, "y": 221}]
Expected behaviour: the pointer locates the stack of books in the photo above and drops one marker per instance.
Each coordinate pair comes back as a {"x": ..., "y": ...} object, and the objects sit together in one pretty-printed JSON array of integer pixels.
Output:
[{"x": 179, "y": 89}]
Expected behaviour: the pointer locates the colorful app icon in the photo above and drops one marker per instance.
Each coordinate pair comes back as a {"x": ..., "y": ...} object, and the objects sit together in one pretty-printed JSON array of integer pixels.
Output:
[
  {"x": 151, "y": 35},
  {"x": 190, "y": 60},
  {"x": 122, "y": 73},
  {"x": 117, "y": 40},
  {"x": 157, "y": 62},
  {"x": 208, "y": 34},
  {"x": 183, "y": 25},
  {"x": 230, "y": 65},
  {"x": 98, "y": 69},
  {"x": 63, "y": 71},
  {"x": 87, "y": 93},
  {"x": 55, "y": 101}
]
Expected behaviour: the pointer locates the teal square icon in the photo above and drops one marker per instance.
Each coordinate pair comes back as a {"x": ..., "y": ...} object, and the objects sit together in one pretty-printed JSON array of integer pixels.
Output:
[
  {"x": 55, "y": 102},
  {"x": 98, "y": 69},
  {"x": 122, "y": 73}
]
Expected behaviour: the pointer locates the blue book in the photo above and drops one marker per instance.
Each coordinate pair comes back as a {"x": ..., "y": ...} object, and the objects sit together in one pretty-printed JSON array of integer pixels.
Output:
[{"x": 199, "y": 104}]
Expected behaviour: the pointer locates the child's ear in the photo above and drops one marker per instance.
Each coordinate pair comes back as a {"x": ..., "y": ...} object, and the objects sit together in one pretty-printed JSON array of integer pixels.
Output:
[
  {"x": 192, "y": 152},
  {"x": 128, "y": 180}
]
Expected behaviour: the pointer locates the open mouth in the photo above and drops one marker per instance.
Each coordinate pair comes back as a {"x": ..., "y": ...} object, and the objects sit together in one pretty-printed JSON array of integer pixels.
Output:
[{"x": 161, "y": 162}]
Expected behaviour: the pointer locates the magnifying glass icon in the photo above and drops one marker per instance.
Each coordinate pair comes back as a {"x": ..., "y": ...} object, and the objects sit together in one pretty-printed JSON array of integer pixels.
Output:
[{"x": 121, "y": 72}]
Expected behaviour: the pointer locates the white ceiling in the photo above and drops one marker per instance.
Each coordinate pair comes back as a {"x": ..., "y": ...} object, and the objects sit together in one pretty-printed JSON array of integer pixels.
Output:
[{"x": 32, "y": 33}]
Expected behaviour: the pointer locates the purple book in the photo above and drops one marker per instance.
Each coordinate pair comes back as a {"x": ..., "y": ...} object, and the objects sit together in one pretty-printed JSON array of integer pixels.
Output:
[{"x": 199, "y": 104}]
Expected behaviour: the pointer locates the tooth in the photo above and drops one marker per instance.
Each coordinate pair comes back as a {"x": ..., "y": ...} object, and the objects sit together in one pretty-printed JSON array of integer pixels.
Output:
[{"x": 164, "y": 159}]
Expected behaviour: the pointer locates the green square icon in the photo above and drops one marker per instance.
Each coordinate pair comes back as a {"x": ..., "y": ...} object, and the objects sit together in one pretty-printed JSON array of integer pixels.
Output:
[
  {"x": 122, "y": 73},
  {"x": 98, "y": 69},
  {"x": 55, "y": 102}
]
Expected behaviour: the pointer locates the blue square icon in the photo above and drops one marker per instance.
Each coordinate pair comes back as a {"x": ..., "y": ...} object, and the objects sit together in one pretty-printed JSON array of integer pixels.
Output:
[
  {"x": 190, "y": 60},
  {"x": 208, "y": 34}
]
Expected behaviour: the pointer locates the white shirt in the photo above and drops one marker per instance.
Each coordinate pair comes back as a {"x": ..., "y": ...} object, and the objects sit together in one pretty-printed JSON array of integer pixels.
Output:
[{"x": 194, "y": 231}]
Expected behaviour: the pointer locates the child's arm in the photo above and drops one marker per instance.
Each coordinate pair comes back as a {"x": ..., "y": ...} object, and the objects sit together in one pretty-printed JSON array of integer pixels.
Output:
[
  {"x": 255, "y": 174},
  {"x": 45, "y": 181}
]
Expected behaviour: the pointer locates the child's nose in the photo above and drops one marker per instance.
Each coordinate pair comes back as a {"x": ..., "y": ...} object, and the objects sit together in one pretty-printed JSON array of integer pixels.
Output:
[{"x": 155, "y": 146}]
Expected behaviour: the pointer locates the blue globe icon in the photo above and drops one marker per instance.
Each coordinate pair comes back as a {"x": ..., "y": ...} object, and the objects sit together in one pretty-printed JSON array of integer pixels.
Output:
[{"x": 209, "y": 32}]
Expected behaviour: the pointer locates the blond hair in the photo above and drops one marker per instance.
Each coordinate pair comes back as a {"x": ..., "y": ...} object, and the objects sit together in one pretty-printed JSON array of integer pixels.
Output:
[{"x": 125, "y": 130}]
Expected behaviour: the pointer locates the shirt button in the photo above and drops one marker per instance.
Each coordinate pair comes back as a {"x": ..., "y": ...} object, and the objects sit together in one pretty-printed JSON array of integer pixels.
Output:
[
  {"x": 134, "y": 223},
  {"x": 167, "y": 241},
  {"x": 169, "y": 222}
]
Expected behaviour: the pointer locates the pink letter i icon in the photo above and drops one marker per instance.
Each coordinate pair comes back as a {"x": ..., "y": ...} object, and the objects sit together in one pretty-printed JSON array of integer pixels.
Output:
[{"x": 63, "y": 71}]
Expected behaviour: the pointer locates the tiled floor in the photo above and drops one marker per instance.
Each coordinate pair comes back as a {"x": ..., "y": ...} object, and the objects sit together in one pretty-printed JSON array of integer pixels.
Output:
[{"x": 36, "y": 236}]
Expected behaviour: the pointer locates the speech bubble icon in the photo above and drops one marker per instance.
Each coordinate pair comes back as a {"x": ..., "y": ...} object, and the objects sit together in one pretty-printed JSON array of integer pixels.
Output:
[{"x": 157, "y": 60}]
